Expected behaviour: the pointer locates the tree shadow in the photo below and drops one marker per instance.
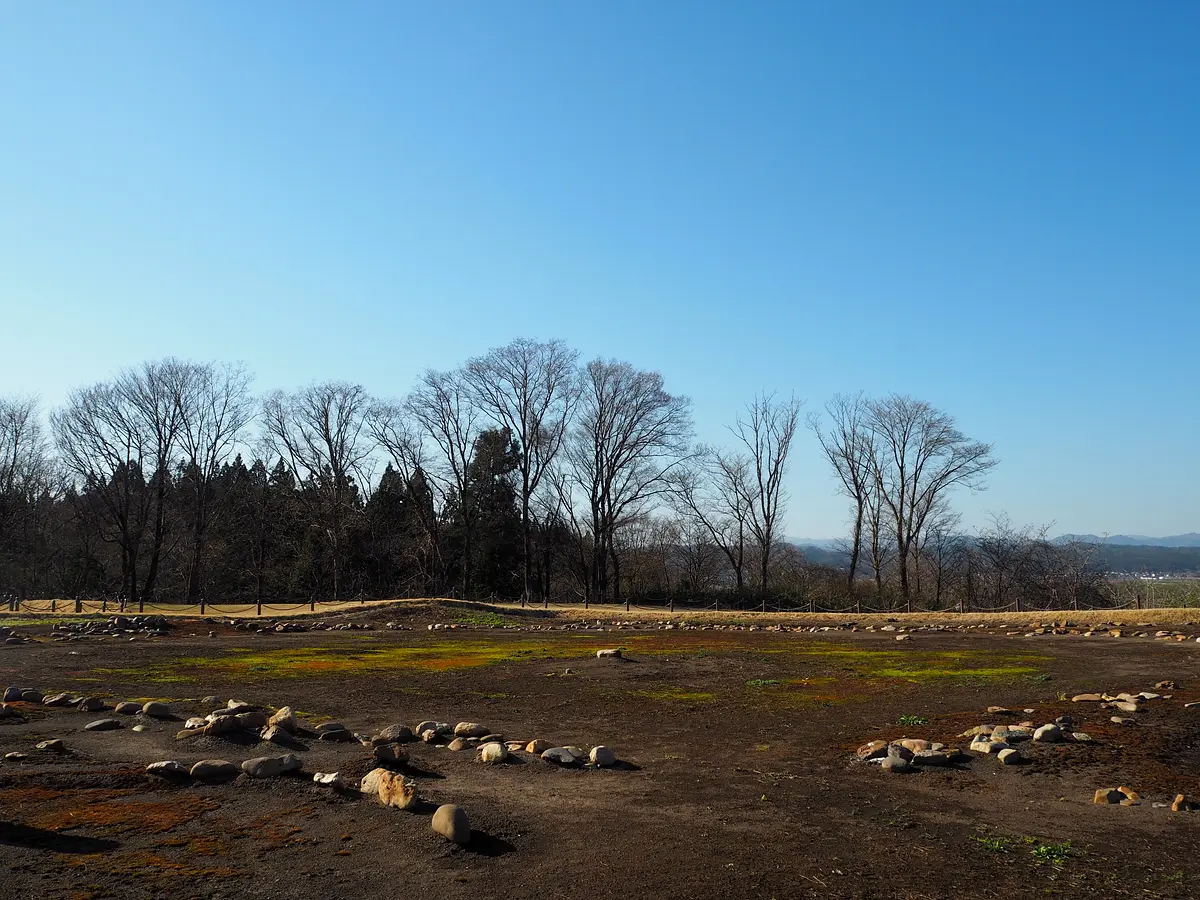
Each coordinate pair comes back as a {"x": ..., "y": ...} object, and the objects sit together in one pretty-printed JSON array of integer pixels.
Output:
[
  {"x": 14, "y": 834},
  {"x": 487, "y": 845}
]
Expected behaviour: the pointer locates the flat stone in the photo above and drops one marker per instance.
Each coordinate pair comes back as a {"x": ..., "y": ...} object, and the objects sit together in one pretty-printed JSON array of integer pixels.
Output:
[
  {"x": 872, "y": 750},
  {"x": 1087, "y": 698},
  {"x": 395, "y": 734},
  {"x": 16, "y": 756},
  {"x": 272, "y": 766},
  {"x": 58, "y": 700},
  {"x": 330, "y": 726},
  {"x": 1108, "y": 795},
  {"x": 451, "y": 822},
  {"x": 13, "y": 694},
  {"x": 138, "y": 728},
  {"x": 931, "y": 758},
  {"x": 560, "y": 755},
  {"x": 215, "y": 770},
  {"x": 32, "y": 696},
  {"x": 252, "y": 720},
  {"x": 284, "y": 719},
  {"x": 168, "y": 768},
  {"x": 127, "y": 708},
  {"x": 614, "y": 653},
  {"x": 342, "y": 736},
  {"x": 470, "y": 730},
  {"x": 102, "y": 725},
  {"x": 329, "y": 779},
  {"x": 458, "y": 744},
  {"x": 53, "y": 746},
  {"x": 90, "y": 704},
  {"x": 895, "y": 764}
]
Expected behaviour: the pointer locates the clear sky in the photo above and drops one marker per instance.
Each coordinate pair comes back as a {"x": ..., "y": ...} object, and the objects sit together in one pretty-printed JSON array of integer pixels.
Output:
[{"x": 992, "y": 206}]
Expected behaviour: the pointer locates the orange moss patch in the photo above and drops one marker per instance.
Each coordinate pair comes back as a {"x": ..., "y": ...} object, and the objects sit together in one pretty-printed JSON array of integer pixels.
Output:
[
  {"x": 144, "y": 864},
  {"x": 109, "y": 811}
]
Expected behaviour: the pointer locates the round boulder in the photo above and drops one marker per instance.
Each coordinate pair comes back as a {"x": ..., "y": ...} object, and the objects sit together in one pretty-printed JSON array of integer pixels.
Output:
[{"x": 451, "y": 822}]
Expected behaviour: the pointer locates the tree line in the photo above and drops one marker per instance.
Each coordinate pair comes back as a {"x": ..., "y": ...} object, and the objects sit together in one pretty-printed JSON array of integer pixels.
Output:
[{"x": 523, "y": 473}]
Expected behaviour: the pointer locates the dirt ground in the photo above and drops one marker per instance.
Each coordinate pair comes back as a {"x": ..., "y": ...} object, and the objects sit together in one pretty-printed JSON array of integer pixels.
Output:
[{"x": 737, "y": 775}]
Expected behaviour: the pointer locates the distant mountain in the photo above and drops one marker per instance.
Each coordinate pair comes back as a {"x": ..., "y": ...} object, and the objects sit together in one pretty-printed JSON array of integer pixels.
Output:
[
  {"x": 823, "y": 543},
  {"x": 1191, "y": 539}
]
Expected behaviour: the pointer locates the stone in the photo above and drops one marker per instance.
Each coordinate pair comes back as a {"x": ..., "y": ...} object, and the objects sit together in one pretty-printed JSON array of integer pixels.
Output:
[
  {"x": 1126, "y": 706},
  {"x": 32, "y": 696},
  {"x": 424, "y": 726},
  {"x": 895, "y": 764},
  {"x": 275, "y": 735},
  {"x": 451, "y": 822},
  {"x": 53, "y": 746},
  {"x": 284, "y": 719},
  {"x": 58, "y": 700},
  {"x": 1049, "y": 734},
  {"x": 1180, "y": 804},
  {"x": 329, "y": 779},
  {"x": 214, "y": 770},
  {"x": 13, "y": 694},
  {"x": 219, "y": 726},
  {"x": 1108, "y": 795},
  {"x": 931, "y": 758},
  {"x": 1086, "y": 698},
  {"x": 168, "y": 768},
  {"x": 370, "y": 781},
  {"x": 872, "y": 750},
  {"x": 493, "y": 753},
  {"x": 338, "y": 736},
  {"x": 138, "y": 728},
  {"x": 1131, "y": 796},
  {"x": 470, "y": 730},
  {"x": 156, "y": 709},
  {"x": 1081, "y": 737},
  {"x": 211, "y": 700},
  {"x": 390, "y": 753},
  {"x": 602, "y": 756},
  {"x": 16, "y": 756},
  {"x": 396, "y": 791},
  {"x": 252, "y": 720},
  {"x": 537, "y": 746},
  {"x": 458, "y": 744},
  {"x": 272, "y": 766},
  {"x": 430, "y": 736},
  {"x": 1009, "y": 756},
  {"x": 102, "y": 725},
  {"x": 576, "y": 752},
  {"x": 90, "y": 704},
  {"x": 560, "y": 755},
  {"x": 126, "y": 708},
  {"x": 395, "y": 734},
  {"x": 238, "y": 705},
  {"x": 615, "y": 653},
  {"x": 330, "y": 726},
  {"x": 514, "y": 746},
  {"x": 913, "y": 744}
]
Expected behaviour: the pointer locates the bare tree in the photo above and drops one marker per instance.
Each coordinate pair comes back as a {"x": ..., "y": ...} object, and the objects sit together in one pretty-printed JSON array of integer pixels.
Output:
[
  {"x": 847, "y": 445},
  {"x": 711, "y": 492},
  {"x": 217, "y": 407},
  {"x": 320, "y": 433},
  {"x": 442, "y": 407},
  {"x": 530, "y": 388},
  {"x": 766, "y": 431},
  {"x": 919, "y": 457},
  {"x": 630, "y": 435},
  {"x": 27, "y": 476}
]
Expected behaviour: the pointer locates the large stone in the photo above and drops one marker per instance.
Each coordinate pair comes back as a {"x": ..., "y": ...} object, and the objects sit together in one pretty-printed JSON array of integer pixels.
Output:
[
  {"x": 560, "y": 755},
  {"x": 102, "y": 725},
  {"x": 451, "y": 822},
  {"x": 537, "y": 746},
  {"x": 7, "y": 712},
  {"x": 127, "y": 708},
  {"x": 272, "y": 766},
  {"x": 614, "y": 653},
  {"x": 457, "y": 744},
  {"x": 1009, "y": 756},
  {"x": 215, "y": 770},
  {"x": 253, "y": 720},
  {"x": 895, "y": 764},
  {"x": 329, "y": 779},
  {"x": 13, "y": 694},
  {"x": 1087, "y": 698},
  {"x": 470, "y": 730},
  {"x": 53, "y": 746},
  {"x": 90, "y": 704},
  {"x": 58, "y": 700},
  {"x": 32, "y": 696},
  {"x": 168, "y": 768},
  {"x": 330, "y": 726},
  {"x": 394, "y": 734},
  {"x": 602, "y": 756},
  {"x": 343, "y": 735},
  {"x": 913, "y": 744},
  {"x": 396, "y": 791},
  {"x": 156, "y": 709},
  {"x": 220, "y": 725},
  {"x": 493, "y": 752},
  {"x": 285, "y": 719},
  {"x": 390, "y": 753},
  {"x": 931, "y": 758},
  {"x": 1050, "y": 734},
  {"x": 370, "y": 781}
]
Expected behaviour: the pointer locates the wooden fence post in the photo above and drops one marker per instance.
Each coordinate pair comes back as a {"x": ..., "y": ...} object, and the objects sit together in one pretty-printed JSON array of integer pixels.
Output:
[
  {"x": 53, "y": 604},
  {"x": 201, "y": 606},
  {"x": 259, "y": 608},
  {"x": 312, "y": 605}
]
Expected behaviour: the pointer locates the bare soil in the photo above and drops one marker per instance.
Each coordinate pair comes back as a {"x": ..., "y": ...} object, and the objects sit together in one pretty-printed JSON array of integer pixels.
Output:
[{"x": 737, "y": 775}]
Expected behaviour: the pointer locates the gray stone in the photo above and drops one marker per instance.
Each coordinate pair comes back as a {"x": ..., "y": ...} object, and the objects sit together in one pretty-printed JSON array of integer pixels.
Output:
[
  {"x": 13, "y": 694},
  {"x": 32, "y": 696},
  {"x": 215, "y": 770},
  {"x": 451, "y": 822},
  {"x": 138, "y": 728},
  {"x": 561, "y": 755},
  {"x": 394, "y": 734},
  {"x": 211, "y": 700},
  {"x": 276, "y": 735},
  {"x": 390, "y": 753},
  {"x": 895, "y": 764},
  {"x": 102, "y": 725},
  {"x": 1049, "y": 734},
  {"x": 1009, "y": 756},
  {"x": 156, "y": 709},
  {"x": 54, "y": 746},
  {"x": 272, "y": 766},
  {"x": 602, "y": 756},
  {"x": 284, "y": 719},
  {"x": 7, "y": 712},
  {"x": 90, "y": 704},
  {"x": 253, "y": 720},
  {"x": 470, "y": 730},
  {"x": 615, "y": 653},
  {"x": 330, "y": 779},
  {"x": 337, "y": 736},
  {"x": 168, "y": 768},
  {"x": 126, "y": 708},
  {"x": 58, "y": 700}
]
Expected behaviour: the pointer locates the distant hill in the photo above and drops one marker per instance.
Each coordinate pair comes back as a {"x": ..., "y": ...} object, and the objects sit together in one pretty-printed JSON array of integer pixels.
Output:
[{"x": 1191, "y": 539}]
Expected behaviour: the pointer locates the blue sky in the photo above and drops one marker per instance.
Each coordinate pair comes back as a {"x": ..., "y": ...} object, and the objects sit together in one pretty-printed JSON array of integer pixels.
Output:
[{"x": 992, "y": 206}]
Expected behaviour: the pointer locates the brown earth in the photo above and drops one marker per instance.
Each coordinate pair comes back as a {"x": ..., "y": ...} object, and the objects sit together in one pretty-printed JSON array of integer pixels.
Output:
[{"x": 737, "y": 779}]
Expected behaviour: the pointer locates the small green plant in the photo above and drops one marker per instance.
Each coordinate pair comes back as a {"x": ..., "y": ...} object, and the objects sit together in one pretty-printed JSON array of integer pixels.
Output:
[
  {"x": 912, "y": 721},
  {"x": 1054, "y": 854},
  {"x": 995, "y": 844},
  {"x": 1040, "y": 678},
  {"x": 761, "y": 682}
]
